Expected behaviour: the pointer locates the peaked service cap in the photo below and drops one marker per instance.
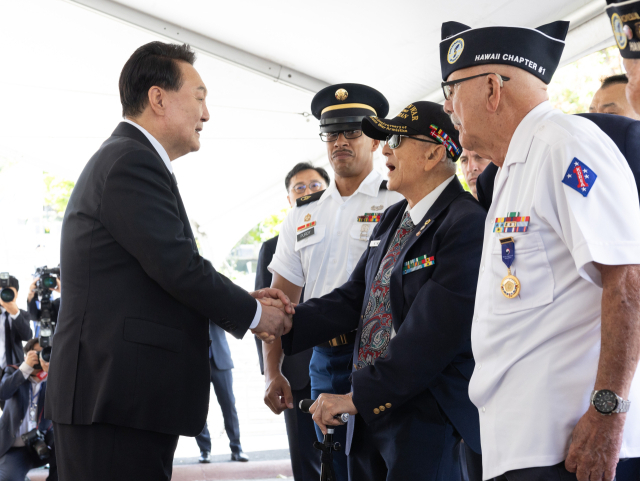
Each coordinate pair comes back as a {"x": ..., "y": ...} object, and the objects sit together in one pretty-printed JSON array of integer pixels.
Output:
[
  {"x": 625, "y": 23},
  {"x": 535, "y": 50},
  {"x": 418, "y": 118},
  {"x": 343, "y": 106}
]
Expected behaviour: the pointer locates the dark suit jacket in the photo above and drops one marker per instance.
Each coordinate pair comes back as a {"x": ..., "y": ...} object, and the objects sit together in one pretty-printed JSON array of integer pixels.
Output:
[
  {"x": 20, "y": 331},
  {"x": 14, "y": 390},
  {"x": 429, "y": 362},
  {"x": 219, "y": 350},
  {"x": 132, "y": 341},
  {"x": 624, "y": 132},
  {"x": 294, "y": 368}
]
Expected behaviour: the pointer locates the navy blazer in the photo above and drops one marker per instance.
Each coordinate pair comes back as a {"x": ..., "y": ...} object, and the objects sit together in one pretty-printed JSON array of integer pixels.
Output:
[
  {"x": 294, "y": 368},
  {"x": 219, "y": 349},
  {"x": 429, "y": 362},
  {"x": 14, "y": 389},
  {"x": 624, "y": 132}
]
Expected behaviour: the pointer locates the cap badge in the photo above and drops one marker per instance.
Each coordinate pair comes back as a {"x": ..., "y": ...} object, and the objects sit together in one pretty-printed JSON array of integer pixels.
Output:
[
  {"x": 455, "y": 50},
  {"x": 341, "y": 94},
  {"x": 618, "y": 31},
  {"x": 307, "y": 217}
]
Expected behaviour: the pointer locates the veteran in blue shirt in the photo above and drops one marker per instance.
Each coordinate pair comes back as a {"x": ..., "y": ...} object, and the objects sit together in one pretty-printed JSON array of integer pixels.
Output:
[{"x": 411, "y": 298}]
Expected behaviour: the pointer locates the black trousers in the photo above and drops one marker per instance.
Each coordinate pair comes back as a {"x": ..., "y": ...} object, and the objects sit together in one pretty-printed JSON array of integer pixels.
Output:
[
  {"x": 412, "y": 449},
  {"x": 305, "y": 459},
  {"x": 105, "y": 452},
  {"x": 222, "y": 381}
]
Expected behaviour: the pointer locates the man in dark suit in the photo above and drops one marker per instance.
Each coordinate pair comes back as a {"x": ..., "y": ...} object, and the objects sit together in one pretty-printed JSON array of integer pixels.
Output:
[
  {"x": 23, "y": 388},
  {"x": 411, "y": 297},
  {"x": 303, "y": 179},
  {"x": 222, "y": 380},
  {"x": 130, "y": 369},
  {"x": 14, "y": 328}
]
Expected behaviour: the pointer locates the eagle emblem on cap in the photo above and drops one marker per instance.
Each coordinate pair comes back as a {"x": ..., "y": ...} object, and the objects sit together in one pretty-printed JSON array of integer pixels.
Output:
[
  {"x": 455, "y": 50},
  {"x": 341, "y": 94},
  {"x": 618, "y": 31}
]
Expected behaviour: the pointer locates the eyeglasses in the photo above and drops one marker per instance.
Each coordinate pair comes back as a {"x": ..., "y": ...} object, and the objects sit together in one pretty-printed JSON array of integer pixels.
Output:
[
  {"x": 314, "y": 186},
  {"x": 333, "y": 136},
  {"x": 393, "y": 141},
  {"x": 447, "y": 87}
]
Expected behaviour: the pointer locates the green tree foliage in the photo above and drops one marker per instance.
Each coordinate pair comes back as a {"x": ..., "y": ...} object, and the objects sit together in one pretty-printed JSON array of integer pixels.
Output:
[
  {"x": 574, "y": 85},
  {"x": 265, "y": 229},
  {"x": 56, "y": 196}
]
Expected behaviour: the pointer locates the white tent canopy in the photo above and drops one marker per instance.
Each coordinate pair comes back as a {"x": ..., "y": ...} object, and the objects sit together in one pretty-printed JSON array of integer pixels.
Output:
[{"x": 261, "y": 61}]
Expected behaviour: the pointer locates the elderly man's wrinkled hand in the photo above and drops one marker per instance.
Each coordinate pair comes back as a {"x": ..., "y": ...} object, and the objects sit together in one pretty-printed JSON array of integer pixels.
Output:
[{"x": 595, "y": 446}]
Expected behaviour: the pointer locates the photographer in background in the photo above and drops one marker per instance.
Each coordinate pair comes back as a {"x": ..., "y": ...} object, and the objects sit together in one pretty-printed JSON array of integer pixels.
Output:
[
  {"x": 26, "y": 437},
  {"x": 14, "y": 323},
  {"x": 34, "y": 306}
]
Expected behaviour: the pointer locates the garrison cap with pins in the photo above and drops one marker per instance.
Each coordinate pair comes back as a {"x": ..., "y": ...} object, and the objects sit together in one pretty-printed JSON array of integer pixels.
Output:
[
  {"x": 343, "y": 106},
  {"x": 625, "y": 23},
  {"x": 418, "y": 118},
  {"x": 535, "y": 50}
]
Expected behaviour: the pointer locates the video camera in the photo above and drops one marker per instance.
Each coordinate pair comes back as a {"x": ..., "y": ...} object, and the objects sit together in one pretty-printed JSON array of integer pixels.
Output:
[
  {"x": 48, "y": 280},
  {"x": 6, "y": 294}
]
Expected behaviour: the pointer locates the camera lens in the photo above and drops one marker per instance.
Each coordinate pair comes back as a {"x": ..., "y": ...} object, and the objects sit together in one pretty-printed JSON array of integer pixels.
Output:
[
  {"x": 49, "y": 282},
  {"x": 7, "y": 295},
  {"x": 45, "y": 354}
]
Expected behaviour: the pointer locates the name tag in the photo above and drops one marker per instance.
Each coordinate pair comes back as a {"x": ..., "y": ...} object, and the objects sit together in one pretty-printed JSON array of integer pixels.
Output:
[
  {"x": 374, "y": 243},
  {"x": 305, "y": 234}
]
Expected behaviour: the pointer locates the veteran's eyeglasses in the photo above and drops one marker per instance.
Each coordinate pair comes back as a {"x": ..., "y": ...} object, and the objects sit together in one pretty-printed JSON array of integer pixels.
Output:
[
  {"x": 314, "y": 186},
  {"x": 448, "y": 87},
  {"x": 333, "y": 136},
  {"x": 393, "y": 141}
]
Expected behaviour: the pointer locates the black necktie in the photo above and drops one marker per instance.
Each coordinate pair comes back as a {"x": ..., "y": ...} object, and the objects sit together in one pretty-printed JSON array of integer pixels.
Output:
[{"x": 7, "y": 339}]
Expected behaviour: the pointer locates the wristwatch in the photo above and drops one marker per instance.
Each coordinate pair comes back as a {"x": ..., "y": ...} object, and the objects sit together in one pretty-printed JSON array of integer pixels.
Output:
[{"x": 607, "y": 402}]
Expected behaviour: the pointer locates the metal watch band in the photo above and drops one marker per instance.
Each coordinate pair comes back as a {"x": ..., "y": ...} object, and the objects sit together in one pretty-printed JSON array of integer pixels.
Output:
[{"x": 623, "y": 406}]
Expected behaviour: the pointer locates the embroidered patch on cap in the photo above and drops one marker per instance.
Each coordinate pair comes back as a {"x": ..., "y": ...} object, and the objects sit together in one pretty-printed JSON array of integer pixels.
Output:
[{"x": 579, "y": 177}]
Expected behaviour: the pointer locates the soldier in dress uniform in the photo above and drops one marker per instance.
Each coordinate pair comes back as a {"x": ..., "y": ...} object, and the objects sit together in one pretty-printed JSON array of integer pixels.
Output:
[{"x": 325, "y": 235}]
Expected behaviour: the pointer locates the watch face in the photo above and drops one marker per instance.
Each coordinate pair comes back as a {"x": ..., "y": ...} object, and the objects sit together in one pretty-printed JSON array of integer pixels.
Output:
[{"x": 605, "y": 401}]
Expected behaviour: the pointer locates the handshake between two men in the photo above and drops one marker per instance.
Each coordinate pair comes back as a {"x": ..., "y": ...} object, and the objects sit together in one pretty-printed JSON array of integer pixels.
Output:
[{"x": 277, "y": 314}]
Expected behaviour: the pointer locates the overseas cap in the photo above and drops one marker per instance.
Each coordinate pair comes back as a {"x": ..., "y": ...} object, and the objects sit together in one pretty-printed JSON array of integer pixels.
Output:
[
  {"x": 343, "y": 106},
  {"x": 625, "y": 23},
  {"x": 534, "y": 50},
  {"x": 419, "y": 118}
]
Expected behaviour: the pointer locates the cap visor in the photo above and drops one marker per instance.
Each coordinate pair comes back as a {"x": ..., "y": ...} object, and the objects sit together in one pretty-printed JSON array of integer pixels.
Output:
[
  {"x": 339, "y": 127},
  {"x": 380, "y": 129}
]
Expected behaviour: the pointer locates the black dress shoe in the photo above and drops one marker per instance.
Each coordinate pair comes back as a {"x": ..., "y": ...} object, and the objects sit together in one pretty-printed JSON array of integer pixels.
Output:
[
  {"x": 239, "y": 456},
  {"x": 205, "y": 457}
]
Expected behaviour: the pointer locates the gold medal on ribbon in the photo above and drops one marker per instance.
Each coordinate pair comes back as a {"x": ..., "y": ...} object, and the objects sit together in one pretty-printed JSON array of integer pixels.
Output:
[{"x": 510, "y": 285}]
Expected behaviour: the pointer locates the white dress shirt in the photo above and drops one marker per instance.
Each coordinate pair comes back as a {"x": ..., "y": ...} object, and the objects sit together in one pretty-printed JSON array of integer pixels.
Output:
[
  {"x": 3, "y": 351},
  {"x": 165, "y": 158},
  {"x": 421, "y": 208},
  {"x": 324, "y": 260},
  {"x": 537, "y": 354}
]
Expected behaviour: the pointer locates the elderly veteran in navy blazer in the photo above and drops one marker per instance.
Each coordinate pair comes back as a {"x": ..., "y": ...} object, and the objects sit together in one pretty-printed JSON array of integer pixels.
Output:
[{"x": 411, "y": 298}]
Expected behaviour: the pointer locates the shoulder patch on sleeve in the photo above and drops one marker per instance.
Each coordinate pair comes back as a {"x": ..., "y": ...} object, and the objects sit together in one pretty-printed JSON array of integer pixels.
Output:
[
  {"x": 579, "y": 177},
  {"x": 383, "y": 186},
  {"x": 309, "y": 198}
]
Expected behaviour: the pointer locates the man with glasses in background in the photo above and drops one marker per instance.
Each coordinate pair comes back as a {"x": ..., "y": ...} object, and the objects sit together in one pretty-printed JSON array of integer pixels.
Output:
[
  {"x": 303, "y": 179},
  {"x": 324, "y": 236}
]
